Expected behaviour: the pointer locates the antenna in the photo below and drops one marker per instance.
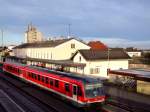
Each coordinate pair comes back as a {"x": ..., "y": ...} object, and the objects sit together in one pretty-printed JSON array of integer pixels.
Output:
[
  {"x": 69, "y": 30},
  {"x": 30, "y": 26}
]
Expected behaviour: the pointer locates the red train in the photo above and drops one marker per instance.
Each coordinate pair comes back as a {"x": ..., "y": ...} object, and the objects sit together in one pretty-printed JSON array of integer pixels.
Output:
[{"x": 80, "y": 90}]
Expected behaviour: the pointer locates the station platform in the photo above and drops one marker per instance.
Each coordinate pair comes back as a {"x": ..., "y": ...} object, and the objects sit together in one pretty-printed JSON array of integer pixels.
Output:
[
  {"x": 130, "y": 99},
  {"x": 138, "y": 74}
]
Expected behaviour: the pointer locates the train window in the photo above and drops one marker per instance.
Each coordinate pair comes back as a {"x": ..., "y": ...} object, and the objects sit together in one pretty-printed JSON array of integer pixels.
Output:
[
  {"x": 67, "y": 87},
  {"x": 29, "y": 74},
  {"x": 56, "y": 83},
  {"x": 39, "y": 77},
  {"x": 46, "y": 80},
  {"x": 42, "y": 79},
  {"x": 32, "y": 75},
  {"x": 51, "y": 82},
  {"x": 75, "y": 90},
  {"x": 20, "y": 71},
  {"x": 79, "y": 91},
  {"x": 35, "y": 76}
]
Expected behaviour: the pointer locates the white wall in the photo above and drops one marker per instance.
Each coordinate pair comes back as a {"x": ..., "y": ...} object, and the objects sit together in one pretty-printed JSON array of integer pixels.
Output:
[
  {"x": 103, "y": 65},
  {"x": 20, "y": 53},
  {"x": 64, "y": 51},
  {"x": 60, "y": 52},
  {"x": 132, "y": 54}
]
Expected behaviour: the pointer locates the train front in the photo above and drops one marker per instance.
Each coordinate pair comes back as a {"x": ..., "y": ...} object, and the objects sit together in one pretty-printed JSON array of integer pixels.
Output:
[{"x": 94, "y": 93}]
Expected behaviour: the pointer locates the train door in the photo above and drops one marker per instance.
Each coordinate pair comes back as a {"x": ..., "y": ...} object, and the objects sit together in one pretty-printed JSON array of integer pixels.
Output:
[
  {"x": 74, "y": 92},
  {"x": 20, "y": 73}
]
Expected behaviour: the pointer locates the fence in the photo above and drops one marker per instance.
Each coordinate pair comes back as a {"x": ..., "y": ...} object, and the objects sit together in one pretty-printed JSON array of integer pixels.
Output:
[{"x": 142, "y": 66}]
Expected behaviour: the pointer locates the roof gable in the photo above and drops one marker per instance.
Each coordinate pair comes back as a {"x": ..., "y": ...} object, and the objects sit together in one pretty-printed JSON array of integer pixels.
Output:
[{"x": 80, "y": 41}]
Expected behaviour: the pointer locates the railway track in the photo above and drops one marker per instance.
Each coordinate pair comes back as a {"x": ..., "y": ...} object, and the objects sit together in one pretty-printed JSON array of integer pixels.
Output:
[
  {"x": 50, "y": 105},
  {"x": 112, "y": 108},
  {"x": 122, "y": 106},
  {"x": 22, "y": 101},
  {"x": 2, "y": 108},
  {"x": 29, "y": 91}
]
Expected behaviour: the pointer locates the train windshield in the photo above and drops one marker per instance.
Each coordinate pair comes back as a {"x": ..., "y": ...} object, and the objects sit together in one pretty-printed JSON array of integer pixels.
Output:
[{"x": 94, "y": 90}]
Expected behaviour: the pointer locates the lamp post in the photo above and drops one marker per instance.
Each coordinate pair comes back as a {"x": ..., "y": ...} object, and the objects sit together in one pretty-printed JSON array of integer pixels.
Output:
[
  {"x": 2, "y": 37},
  {"x": 108, "y": 59},
  {"x": 2, "y": 44}
]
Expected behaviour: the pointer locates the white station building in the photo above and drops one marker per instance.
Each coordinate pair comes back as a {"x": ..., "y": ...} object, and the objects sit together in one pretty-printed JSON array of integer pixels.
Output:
[{"x": 71, "y": 55}]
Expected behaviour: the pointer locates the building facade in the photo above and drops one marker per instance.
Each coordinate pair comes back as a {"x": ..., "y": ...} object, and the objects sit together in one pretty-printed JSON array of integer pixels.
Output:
[
  {"x": 97, "y": 62},
  {"x": 134, "y": 53},
  {"x": 72, "y": 55},
  {"x": 33, "y": 35},
  {"x": 61, "y": 49}
]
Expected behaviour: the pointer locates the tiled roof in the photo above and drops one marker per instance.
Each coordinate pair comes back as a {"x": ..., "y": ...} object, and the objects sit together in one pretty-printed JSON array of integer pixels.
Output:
[
  {"x": 117, "y": 48},
  {"x": 99, "y": 54},
  {"x": 128, "y": 50},
  {"x": 97, "y": 45},
  {"x": 132, "y": 49},
  {"x": 51, "y": 43}
]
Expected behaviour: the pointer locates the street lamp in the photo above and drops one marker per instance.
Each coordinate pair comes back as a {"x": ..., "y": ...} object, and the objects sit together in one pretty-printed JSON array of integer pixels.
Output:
[
  {"x": 108, "y": 59},
  {"x": 2, "y": 55},
  {"x": 2, "y": 37}
]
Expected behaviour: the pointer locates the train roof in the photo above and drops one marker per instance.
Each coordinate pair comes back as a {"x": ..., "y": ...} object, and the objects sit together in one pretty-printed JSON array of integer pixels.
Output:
[
  {"x": 83, "y": 78},
  {"x": 17, "y": 64}
]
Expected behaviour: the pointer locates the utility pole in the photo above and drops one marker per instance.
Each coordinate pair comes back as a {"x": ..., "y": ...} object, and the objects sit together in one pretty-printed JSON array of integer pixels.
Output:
[
  {"x": 108, "y": 59},
  {"x": 2, "y": 37},
  {"x": 1, "y": 59}
]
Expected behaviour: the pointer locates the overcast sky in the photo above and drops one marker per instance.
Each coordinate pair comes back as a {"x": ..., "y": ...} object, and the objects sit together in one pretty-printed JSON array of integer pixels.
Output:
[{"x": 117, "y": 23}]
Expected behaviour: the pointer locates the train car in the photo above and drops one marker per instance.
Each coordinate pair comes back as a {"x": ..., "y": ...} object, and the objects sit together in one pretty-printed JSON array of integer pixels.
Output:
[{"x": 82, "y": 91}]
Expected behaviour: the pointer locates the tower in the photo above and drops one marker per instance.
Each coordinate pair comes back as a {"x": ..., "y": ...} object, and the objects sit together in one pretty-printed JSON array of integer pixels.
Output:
[{"x": 33, "y": 35}]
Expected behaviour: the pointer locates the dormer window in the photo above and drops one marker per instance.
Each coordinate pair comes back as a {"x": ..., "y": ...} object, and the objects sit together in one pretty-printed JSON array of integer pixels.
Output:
[
  {"x": 72, "y": 45},
  {"x": 80, "y": 58}
]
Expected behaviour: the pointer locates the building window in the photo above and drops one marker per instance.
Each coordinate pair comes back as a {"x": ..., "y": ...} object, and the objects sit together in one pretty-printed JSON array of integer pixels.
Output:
[
  {"x": 72, "y": 45},
  {"x": 72, "y": 54},
  {"x": 91, "y": 70},
  {"x": 94, "y": 70},
  {"x": 97, "y": 70},
  {"x": 79, "y": 58}
]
